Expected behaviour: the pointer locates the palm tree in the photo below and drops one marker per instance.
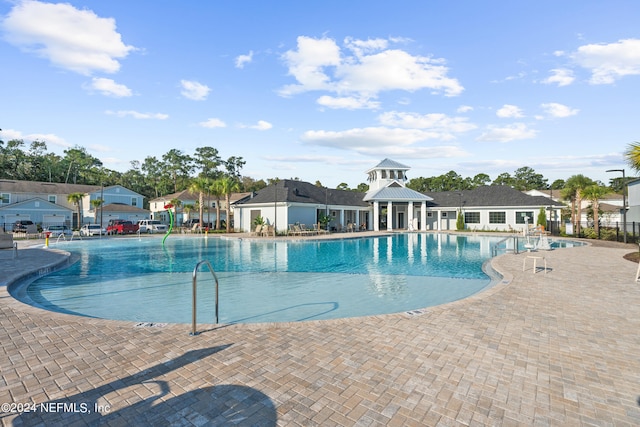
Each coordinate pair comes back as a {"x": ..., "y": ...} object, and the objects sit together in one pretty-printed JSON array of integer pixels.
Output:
[
  {"x": 216, "y": 190},
  {"x": 96, "y": 203},
  {"x": 573, "y": 189},
  {"x": 633, "y": 155},
  {"x": 76, "y": 199},
  {"x": 594, "y": 193},
  {"x": 228, "y": 185},
  {"x": 200, "y": 186},
  {"x": 176, "y": 204}
]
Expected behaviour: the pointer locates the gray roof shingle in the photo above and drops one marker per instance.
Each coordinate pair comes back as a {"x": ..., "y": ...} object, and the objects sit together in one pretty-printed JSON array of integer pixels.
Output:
[
  {"x": 303, "y": 192},
  {"x": 489, "y": 195}
]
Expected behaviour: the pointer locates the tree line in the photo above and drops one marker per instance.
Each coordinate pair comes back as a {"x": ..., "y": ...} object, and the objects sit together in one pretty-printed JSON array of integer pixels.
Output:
[{"x": 176, "y": 170}]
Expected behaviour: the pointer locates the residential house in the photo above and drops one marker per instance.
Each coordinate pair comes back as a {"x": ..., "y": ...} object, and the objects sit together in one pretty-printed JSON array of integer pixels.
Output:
[{"x": 46, "y": 203}]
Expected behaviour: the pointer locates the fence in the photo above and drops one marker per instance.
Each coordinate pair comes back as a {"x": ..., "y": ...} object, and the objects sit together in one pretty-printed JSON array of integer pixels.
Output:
[{"x": 613, "y": 231}]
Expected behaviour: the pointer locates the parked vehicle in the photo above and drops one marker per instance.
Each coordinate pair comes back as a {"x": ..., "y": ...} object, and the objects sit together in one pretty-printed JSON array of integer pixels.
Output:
[
  {"x": 57, "y": 230},
  {"x": 151, "y": 226},
  {"x": 23, "y": 226},
  {"x": 92, "y": 230},
  {"x": 121, "y": 226}
]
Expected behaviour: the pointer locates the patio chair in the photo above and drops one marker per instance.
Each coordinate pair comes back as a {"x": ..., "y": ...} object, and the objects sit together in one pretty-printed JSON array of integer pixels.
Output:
[{"x": 257, "y": 231}]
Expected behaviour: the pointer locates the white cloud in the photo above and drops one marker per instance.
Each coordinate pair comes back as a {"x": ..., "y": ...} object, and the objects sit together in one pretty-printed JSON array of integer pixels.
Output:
[
  {"x": 194, "y": 90},
  {"x": 556, "y": 110},
  {"x": 213, "y": 123},
  {"x": 362, "y": 47},
  {"x": 262, "y": 125},
  {"x": 509, "y": 111},
  {"x": 609, "y": 62},
  {"x": 440, "y": 124},
  {"x": 241, "y": 60},
  {"x": 512, "y": 132},
  {"x": 382, "y": 141},
  {"x": 48, "y": 138},
  {"x": 320, "y": 64},
  {"x": 69, "y": 38},
  {"x": 137, "y": 115},
  {"x": 347, "y": 103},
  {"x": 464, "y": 109},
  {"x": 307, "y": 64},
  {"x": 108, "y": 87},
  {"x": 560, "y": 76}
]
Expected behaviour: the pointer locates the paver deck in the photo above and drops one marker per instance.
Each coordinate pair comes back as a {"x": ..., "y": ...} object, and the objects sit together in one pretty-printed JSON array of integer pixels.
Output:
[{"x": 554, "y": 349}]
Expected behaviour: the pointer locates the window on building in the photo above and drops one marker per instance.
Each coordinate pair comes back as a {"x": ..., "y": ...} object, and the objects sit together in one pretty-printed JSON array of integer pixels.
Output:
[
  {"x": 472, "y": 217},
  {"x": 134, "y": 201},
  {"x": 383, "y": 174},
  {"x": 5, "y": 198},
  {"x": 497, "y": 217},
  {"x": 429, "y": 214},
  {"x": 213, "y": 204},
  {"x": 444, "y": 214},
  {"x": 52, "y": 199},
  {"x": 520, "y": 217}
]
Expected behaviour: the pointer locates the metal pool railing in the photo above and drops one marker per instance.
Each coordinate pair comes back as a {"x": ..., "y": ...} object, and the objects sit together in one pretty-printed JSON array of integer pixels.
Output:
[
  {"x": 508, "y": 244},
  {"x": 195, "y": 279}
]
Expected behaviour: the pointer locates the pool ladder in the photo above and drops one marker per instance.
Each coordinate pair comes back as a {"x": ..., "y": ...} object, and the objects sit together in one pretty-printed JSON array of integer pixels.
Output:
[{"x": 195, "y": 279}]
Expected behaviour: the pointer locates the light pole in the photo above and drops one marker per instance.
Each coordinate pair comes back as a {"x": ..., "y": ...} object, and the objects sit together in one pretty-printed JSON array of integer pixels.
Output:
[{"x": 624, "y": 203}]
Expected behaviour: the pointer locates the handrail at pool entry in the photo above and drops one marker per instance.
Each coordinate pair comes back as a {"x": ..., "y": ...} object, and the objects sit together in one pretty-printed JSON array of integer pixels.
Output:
[
  {"x": 195, "y": 279},
  {"x": 494, "y": 248}
]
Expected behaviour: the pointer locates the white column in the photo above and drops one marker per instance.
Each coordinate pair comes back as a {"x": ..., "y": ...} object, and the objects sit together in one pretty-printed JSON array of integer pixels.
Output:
[
  {"x": 439, "y": 221},
  {"x": 357, "y": 220},
  {"x": 389, "y": 216},
  {"x": 342, "y": 224},
  {"x": 423, "y": 216},
  {"x": 410, "y": 216},
  {"x": 376, "y": 216}
]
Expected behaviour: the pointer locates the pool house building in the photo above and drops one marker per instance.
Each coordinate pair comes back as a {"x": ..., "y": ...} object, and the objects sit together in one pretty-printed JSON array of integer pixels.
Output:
[{"x": 390, "y": 205}]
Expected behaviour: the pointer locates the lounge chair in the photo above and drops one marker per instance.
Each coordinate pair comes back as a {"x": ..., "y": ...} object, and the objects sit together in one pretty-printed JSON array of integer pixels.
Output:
[{"x": 257, "y": 231}]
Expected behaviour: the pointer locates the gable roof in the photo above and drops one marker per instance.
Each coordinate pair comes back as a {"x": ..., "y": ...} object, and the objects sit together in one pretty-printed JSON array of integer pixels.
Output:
[
  {"x": 121, "y": 207},
  {"x": 489, "y": 195},
  {"x": 395, "y": 193},
  {"x": 36, "y": 203},
  {"x": 293, "y": 191}
]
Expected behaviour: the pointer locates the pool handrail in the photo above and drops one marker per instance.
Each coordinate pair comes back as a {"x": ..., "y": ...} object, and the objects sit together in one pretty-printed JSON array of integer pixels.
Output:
[
  {"x": 195, "y": 279},
  {"x": 494, "y": 248}
]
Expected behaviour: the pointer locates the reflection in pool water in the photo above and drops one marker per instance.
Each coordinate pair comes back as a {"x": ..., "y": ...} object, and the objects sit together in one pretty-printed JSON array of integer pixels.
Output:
[{"x": 265, "y": 281}]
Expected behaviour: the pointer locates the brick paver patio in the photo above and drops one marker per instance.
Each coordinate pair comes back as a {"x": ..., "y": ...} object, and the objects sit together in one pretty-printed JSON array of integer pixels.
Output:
[{"x": 555, "y": 349}]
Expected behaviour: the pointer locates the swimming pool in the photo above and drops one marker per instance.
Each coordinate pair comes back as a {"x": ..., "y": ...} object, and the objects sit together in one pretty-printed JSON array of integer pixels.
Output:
[{"x": 264, "y": 281}]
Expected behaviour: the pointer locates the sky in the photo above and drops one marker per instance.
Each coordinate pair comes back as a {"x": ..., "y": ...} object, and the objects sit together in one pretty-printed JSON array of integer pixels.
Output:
[{"x": 324, "y": 90}]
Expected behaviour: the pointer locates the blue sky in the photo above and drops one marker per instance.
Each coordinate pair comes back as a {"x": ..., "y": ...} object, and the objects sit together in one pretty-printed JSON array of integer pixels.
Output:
[{"x": 324, "y": 90}]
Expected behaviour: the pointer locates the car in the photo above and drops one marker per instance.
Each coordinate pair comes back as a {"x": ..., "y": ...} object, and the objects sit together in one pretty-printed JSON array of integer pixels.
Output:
[
  {"x": 57, "y": 230},
  {"x": 151, "y": 226},
  {"x": 92, "y": 230},
  {"x": 23, "y": 226},
  {"x": 120, "y": 226}
]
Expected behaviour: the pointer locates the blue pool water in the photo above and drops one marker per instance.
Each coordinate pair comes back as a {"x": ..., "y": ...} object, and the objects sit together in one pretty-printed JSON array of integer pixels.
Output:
[{"x": 264, "y": 281}]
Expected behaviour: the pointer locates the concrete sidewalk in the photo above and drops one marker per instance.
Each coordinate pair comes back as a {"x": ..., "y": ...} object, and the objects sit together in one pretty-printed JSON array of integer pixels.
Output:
[{"x": 561, "y": 348}]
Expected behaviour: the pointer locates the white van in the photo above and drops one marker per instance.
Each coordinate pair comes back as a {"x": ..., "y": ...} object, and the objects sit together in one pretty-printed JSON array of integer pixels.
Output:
[{"x": 152, "y": 226}]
